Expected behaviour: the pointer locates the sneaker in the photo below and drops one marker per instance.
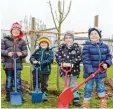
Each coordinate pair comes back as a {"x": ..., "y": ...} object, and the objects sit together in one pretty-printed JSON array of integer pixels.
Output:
[
  {"x": 44, "y": 97},
  {"x": 76, "y": 103}
]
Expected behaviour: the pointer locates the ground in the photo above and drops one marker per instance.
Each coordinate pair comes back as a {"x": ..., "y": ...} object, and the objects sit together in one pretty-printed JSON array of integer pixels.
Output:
[{"x": 52, "y": 98}]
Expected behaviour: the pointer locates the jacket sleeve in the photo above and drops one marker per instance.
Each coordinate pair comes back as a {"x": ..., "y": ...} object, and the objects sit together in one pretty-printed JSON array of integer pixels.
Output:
[
  {"x": 24, "y": 50},
  {"x": 49, "y": 60},
  {"x": 78, "y": 57},
  {"x": 108, "y": 60},
  {"x": 32, "y": 58},
  {"x": 4, "y": 52},
  {"x": 59, "y": 57},
  {"x": 86, "y": 60}
]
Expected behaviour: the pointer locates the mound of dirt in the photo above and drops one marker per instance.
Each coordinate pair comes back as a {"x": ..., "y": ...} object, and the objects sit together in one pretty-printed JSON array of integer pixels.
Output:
[
  {"x": 54, "y": 92},
  {"x": 25, "y": 87}
]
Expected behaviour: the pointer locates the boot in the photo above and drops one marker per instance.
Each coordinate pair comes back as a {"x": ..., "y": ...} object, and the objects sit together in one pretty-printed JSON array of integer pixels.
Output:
[
  {"x": 86, "y": 104},
  {"x": 76, "y": 102},
  {"x": 44, "y": 97},
  {"x": 103, "y": 103}
]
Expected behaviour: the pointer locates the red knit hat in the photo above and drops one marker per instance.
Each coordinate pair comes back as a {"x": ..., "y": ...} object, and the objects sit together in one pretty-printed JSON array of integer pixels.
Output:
[{"x": 16, "y": 25}]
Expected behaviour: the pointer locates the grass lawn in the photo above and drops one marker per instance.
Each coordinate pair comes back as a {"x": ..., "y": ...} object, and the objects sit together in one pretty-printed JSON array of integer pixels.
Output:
[{"x": 52, "y": 99}]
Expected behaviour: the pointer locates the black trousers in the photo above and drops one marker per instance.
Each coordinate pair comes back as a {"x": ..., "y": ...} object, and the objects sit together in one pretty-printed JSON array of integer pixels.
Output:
[{"x": 42, "y": 81}]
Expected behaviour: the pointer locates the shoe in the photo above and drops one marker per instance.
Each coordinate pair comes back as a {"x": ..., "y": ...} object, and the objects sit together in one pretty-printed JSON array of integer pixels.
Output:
[
  {"x": 44, "y": 97},
  {"x": 76, "y": 103},
  {"x": 103, "y": 103},
  {"x": 86, "y": 104}
]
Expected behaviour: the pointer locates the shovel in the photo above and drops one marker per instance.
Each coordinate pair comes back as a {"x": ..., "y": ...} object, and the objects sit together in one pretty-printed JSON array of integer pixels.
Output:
[
  {"x": 67, "y": 95},
  {"x": 15, "y": 97},
  {"x": 36, "y": 94},
  {"x": 66, "y": 69}
]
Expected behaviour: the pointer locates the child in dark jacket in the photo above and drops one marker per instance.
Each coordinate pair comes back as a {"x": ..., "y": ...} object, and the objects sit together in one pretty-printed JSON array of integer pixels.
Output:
[
  {"x": 70, "y": 52},
  {"x": 43, "y": 58},
  {"x": 95, "y": 52},
  {"x": 11, "y": 45}
]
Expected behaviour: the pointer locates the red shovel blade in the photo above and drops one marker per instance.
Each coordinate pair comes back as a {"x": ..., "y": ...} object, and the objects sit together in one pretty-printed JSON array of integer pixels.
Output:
[{"x": 65, "y": 98}]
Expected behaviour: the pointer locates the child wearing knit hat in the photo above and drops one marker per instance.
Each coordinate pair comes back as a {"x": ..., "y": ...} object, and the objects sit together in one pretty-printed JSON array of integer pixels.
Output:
[
  {"x": 94, "y": 52},
  {"x": 67, "y": 54},
  {"x": 9, "y": 47},
  {"x": 43, "y": 58}
]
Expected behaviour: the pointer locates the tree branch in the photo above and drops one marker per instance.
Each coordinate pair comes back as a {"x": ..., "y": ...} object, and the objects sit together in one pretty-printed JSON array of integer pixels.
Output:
[
  {"x": 60, "y": 10},
  {"x": 52, "y": 15},
  {"x": 63, "y": 8},
  {"x": 67, "y": 11},
  {"x": 56, "y": 16}
]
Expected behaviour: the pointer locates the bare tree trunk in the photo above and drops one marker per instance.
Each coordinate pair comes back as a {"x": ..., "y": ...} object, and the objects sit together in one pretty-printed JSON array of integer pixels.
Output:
[{"x": 62, "y": 16}]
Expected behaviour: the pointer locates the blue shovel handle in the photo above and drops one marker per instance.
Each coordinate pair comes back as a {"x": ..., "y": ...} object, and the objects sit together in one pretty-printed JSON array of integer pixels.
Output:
[
  {"x": 36, "y": 68},
  {"x": 15, "y": 70}
]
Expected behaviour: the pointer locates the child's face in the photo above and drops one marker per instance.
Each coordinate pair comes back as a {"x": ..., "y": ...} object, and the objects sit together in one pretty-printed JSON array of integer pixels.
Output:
[
  {"x": 94, "y": 36},
  {"x": 68, "y": 40},
  {"x": 43, "y": 45},
  {"x": 15, "y": 32}
]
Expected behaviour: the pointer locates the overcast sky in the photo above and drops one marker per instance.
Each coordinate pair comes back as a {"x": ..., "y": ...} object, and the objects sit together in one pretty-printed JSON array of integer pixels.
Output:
[{"x": 80, "y": 18}]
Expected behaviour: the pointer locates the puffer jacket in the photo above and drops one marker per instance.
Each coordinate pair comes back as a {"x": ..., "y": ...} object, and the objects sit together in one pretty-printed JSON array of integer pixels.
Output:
[
  {"x": 70, "y": 55},
  {"x": 45, "y": 56},
  {"x": 93, "y": 55},
  {"x": 7, "y": 45}
]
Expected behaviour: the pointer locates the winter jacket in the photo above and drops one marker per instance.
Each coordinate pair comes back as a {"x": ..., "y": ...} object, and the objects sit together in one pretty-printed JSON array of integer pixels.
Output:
[
  {"x": 93, "y": 55},
  {"x": 71, "y": 55},
  {"x": 45, "y": 57},
  {"x": 7, "y": 45}
]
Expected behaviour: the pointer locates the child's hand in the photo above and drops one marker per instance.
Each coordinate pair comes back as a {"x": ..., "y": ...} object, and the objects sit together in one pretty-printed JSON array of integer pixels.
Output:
[
  {"x": 104, "y": 66},
  {"x": 35, "y": 62},
  {"x": 10, "y": 54},
  {"x": 19, "y": 53}
]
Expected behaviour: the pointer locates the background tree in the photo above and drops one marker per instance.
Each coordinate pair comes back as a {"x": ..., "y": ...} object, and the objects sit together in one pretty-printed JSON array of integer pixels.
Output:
[{"x": 60, "y": 15}]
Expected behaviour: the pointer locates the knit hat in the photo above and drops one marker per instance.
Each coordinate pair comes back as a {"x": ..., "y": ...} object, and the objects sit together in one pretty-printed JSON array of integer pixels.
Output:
[
  {"x": 16, "y": 25},
  {"x": 94, "y": 29},
  {"x": 69, "y": 33},
  {"x": 44, "y": 39}
]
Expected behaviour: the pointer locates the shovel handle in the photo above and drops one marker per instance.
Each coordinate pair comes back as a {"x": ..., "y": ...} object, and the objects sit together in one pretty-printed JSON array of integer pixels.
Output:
[
  {"x": 102, "y": 70},
  {"x": 90, "y": 77},
  {"x": 15, "y": 72},
  {"x": 36, "y": 68},
  {"x": 66, "y": 71}
]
